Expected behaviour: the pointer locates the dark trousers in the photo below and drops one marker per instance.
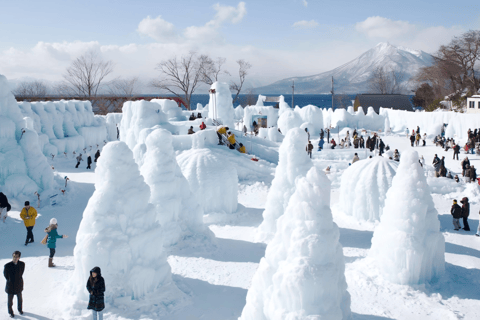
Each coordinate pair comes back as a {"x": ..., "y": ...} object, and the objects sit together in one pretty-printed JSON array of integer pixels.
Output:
[
  {"x": 78, "y": 163},
  {"x": 10, "y": 302},
  {"x": 29, "y": 235},
  {"x": 52, "y": 252},
  {"x": 466, "y": 227},
  {"x": 310, "y": 153},
  {"x": 455, "y": 154},
  {"x": 88, "y": 166}
]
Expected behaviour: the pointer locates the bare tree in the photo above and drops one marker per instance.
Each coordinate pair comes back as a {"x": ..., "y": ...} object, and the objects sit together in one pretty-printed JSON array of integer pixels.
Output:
[
  {"x": 243, "y": 67},
  {"x": 212, "y": 69},
  {"x": 36, "y": 88},
  {"x": 85, "y": 75},
  {"x": 181, "y": 75},
  {"x": 127, "y": 87},
  {"x": 385, "y": 81}
]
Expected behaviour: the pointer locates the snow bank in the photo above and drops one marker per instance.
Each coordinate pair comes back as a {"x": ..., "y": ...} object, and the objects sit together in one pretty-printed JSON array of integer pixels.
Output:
[
  {"x": 176, "y": 207},
  {"x": 407, "y": 244},
  {"x": 213, "y": 180},
  {"x": 171, "y": 109},
  {"x": 364, "y": 186},
  {"x": 293, "y": 163},
  {"x": 23, "y": 167},
  {"x": 113, "y": 121},
  {"x": 220, "y": 104},
  {"x": 119, "y": 234},
  {"x": 302, "y": 275}
]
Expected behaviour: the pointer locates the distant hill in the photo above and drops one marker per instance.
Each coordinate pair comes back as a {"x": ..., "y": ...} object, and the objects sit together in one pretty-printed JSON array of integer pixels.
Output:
[{"x": 352, "y": 77}]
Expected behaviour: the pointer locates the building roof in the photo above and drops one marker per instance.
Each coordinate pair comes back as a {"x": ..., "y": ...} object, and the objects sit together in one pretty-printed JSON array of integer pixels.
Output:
[{"x": 393, "y": 101}]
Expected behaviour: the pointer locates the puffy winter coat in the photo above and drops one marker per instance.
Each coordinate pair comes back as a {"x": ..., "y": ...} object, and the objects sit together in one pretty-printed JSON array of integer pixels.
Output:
[
  {"x": 456, "y": 211},
  {"x": 4, "y": 202},
  {"x": 13, "y": 274},
  {"x": 222, "y": 130},
  {"x": 97, "y": 291},
  {"x": 29, "y": 216},
  {"x": 231, "y": 138},
  {"x": 202, "y": 126},
  {"x": 465, "y": 209},
  {"x": 242, "y": 149},
  {"x": 52, "y": 236}
]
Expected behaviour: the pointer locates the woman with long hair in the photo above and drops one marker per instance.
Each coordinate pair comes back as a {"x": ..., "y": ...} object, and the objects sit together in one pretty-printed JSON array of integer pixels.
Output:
[{"x": 96, "y": 288}]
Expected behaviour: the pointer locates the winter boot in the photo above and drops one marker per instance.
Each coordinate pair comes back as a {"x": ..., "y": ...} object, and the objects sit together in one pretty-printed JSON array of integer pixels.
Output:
[{"x": 50, "y": 263}]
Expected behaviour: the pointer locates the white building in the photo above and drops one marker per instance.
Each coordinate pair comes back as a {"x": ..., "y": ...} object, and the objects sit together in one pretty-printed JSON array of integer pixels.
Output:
[{"x": 473, "y": 104}]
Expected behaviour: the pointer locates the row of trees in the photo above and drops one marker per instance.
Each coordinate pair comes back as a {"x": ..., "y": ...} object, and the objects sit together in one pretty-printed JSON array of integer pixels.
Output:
[
  {"x": 180, "y": 76},
  {"x": 452, "y": 74}
]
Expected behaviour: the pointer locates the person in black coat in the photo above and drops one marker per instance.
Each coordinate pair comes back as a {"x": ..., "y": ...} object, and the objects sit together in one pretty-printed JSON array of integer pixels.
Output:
[
  {"x": 97, "y": 155},
  {"x": 96, "y": 288},
  {"x": 4, "y": 207},
  {"x": 89, "y": 162},
  {"x": 456, "y": 212},
  {"x": 381, "y": 146},
  {"x": 13, "y": 272},
  {"x": 465, "y": 213}
]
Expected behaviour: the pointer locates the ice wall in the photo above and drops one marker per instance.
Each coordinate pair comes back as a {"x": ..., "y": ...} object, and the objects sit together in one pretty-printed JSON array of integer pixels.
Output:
[
  {"x": 113, "y": 121},
  {"x": 407, "y": 244},
  {"x": 302, "y": 275},
  {"x": 270, "y": 112},
  {"x": 293, "y": 163},
  {"x": 220, "y": 105},
  {"x": 119, "y": 234},
  {"x": 171, "y": 109},
  {"x": 177, "y": 209},
  {"x": 213, "y": 180},
  {"x": 23, "y": 168},
  {"x": 364, "y": 187}
]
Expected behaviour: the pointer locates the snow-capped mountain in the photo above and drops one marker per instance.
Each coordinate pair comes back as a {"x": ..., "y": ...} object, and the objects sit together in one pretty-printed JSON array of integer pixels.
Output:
[{"x": 352, "y": 77}]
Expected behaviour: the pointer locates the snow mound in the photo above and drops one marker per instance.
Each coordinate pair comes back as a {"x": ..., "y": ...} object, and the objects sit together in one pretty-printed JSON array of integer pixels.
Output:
[
  {"x": 220, "y": 106},
  {"x": 302, "y": 275},
  {"x": 407, "y": 243},
  {"x": 214, "y": 180},
  {"x": 364, "y": 186},
  {"x": 176, "y": 207},
  {"x": 119, "y": 234},
  {"x": 293, "y": 163}
]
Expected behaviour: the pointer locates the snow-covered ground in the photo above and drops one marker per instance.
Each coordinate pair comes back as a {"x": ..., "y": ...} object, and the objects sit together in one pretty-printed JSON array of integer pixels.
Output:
[{"x": 216, "y": 281}]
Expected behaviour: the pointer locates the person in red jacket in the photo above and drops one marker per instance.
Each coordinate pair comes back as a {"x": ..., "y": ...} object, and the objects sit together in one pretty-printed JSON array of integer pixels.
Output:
[
  {"x": 333, "y": 143},
  {"x": 203, "y": 126}
]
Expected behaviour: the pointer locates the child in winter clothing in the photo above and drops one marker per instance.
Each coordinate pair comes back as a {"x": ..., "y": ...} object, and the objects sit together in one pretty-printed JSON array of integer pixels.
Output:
[
  {"x": 465, "y": 213},
  {"x": 52, "y": 239},
  {"x": 96, "y": 288},
  {"x": 456, "y": 212}
]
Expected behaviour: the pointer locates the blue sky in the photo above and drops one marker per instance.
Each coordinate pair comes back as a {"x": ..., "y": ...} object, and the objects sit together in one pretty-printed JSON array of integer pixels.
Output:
[{"x": 285, "y": 38}]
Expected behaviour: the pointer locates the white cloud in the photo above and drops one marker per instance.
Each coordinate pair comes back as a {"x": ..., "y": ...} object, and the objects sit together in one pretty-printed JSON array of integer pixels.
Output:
[
  {"x": 304, "y": 24},
  {"x": 384, "y": 28},
  {"x": 158, "y": 29},
  {"x": 228, "y": 14},
  {"x": 305, "y": 3}
]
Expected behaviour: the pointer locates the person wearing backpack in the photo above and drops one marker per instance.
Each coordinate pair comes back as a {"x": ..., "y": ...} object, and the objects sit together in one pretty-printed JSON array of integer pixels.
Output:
[
  {"x": 51, "y": 239},
  {"x": 456, "y": 212},
  {"x": 465, "y": 213}
]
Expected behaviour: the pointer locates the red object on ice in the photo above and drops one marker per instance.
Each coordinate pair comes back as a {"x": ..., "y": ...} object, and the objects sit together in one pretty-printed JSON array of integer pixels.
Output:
[
  {"x": 254, "y": 159},
  {"x": 478, "y": 180}
]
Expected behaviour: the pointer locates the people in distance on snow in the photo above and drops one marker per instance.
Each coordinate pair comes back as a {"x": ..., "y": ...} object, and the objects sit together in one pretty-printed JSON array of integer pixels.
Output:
[
  {"x": 190, "y": 131},
  {"x": 89, "y": 162},
  {"x": 465, "y": 213},
  {"x": 231, "y": 140},
  {"x": 456, "y": 212},
  {"x": 13, "y": 273},
  {"x": 322, "y": 134},
  {"x": 472, "y": 174},
  {"x": 456, "y": 151},
  {"x": 192, "y": 117},
  {"x": 28, "y": 215},
  {"x": 320, "y": 144},
  {"x": 308, "y": 134},
  {"x": 396, "y": 155},
  {"x": 96, "y": 289},
  {"x": 355, "y": 158},
  {"x": 220, "y": 132},
  {"x": 457, "y": 180},
  {"x": 4, "y": 207},
  {"x": 309, "y": 148},
  {"x": 443, "y": 170},
  {"x": 381, "y": 147},
  {"x": 424, "y": 139},
  {"x": 97, "y": 155},
  {"x": 412, "y": 139},
  {"x": 203, "y": 126},
  {"x": 464, "y": 164},
  {"x": 79, "y": 158},
  {"x": 341, "y": 144},
  {"x": 436, "y": 164},
  {"x": 199, "y": 115},
  {"x": 244, "y": 130},
  {"x": 51, "y": 239},
  {"x": 422, "y": 161},
  {"x": 242, "y": 148},
  {"x": 333, "y": 144}
]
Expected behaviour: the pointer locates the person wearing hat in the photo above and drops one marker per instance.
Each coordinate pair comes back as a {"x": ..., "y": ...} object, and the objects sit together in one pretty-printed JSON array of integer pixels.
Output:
[
  {"x": 242, "y": 148},
  {"x": 456, "y": 212},
  {"x": 465, "y": 213},
  {"x": 96, "y": 288},
  {"x": 53, "y": 235},
  {"x": 28, "y": 215}
]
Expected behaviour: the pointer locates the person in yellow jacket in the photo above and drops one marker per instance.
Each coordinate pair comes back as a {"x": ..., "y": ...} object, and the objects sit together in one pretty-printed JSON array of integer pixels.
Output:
[
  {"x": 28, "y": 215},
  {"x": 231, "y": 140},
  {"x": 242, "y": 148},
  {"x": 221, "y": 131}
]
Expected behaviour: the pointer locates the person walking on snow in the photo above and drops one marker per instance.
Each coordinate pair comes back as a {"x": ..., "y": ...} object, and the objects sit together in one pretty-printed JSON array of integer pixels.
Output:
[
  {"x": 97, "y": 155},
  {"x": 28, "y": 215},
  {"x": 79, "y": 158},
  {"x": 53, "y": 235},
  {"x": 309, "y": 148},
  {"x": 320, "y": 144},
  {"x": 89, "y": 162},
  {"x": 4, "y": 207},
  {"x": 465, "y": 213},
  {"x": 96, "y": 289},
  {"x": 381, "y": 147},
  {"x": 13, "y": 273},
  {"x": 412, "y": 140},
  {"x": 456, "y": 151},
  {"x": 464, "y": 164},
  {"x": 456, "y": 212}
]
